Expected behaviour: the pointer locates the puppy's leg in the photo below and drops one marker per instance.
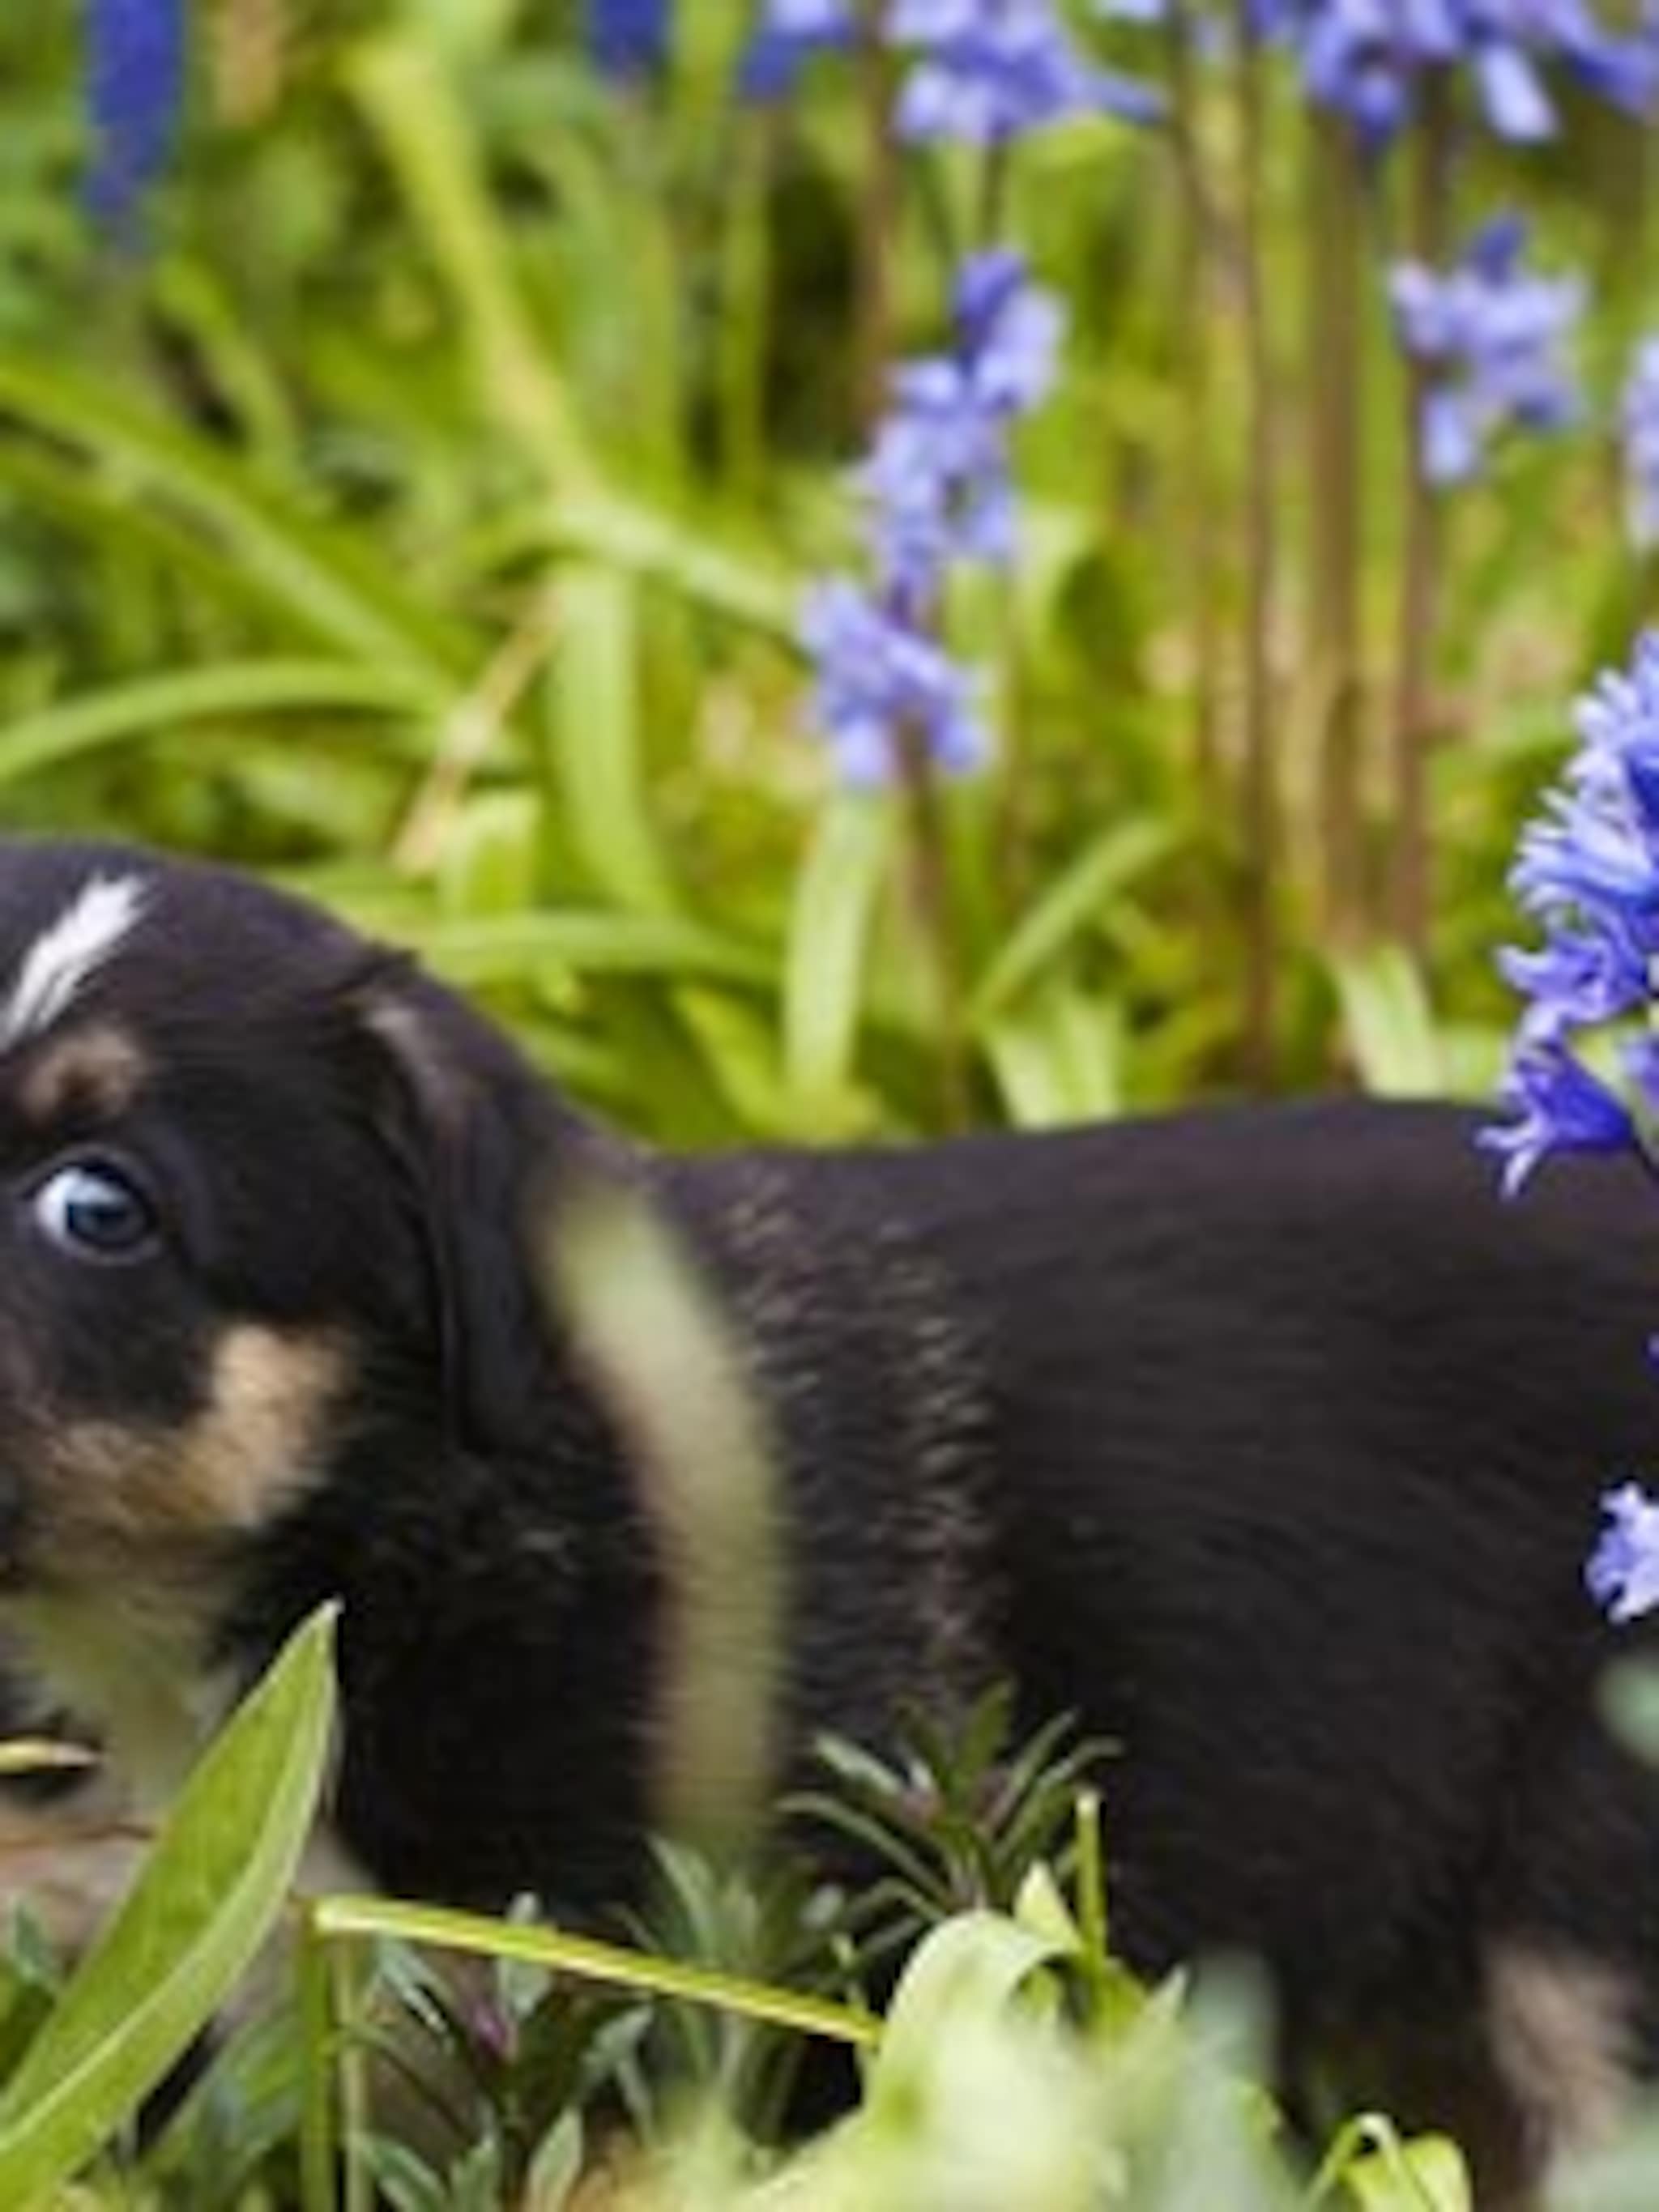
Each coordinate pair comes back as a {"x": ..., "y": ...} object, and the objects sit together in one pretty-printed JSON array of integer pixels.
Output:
[
  {"x": 1571, "y": 1975},
  {"x": 1562, "y": 2030}
]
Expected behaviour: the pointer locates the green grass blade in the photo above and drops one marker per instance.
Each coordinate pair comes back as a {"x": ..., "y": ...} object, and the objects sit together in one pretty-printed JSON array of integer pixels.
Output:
[
  {"x": 156, "y": 705},
  {"x": 137, "y": 534},
  {"x": 1057, "y": 1061},
  {"x": 1069, "y": 904},
  {"x": 410, "y": 101},
  {"x": 837, "y": 894},
  {"x": 689, "y": 555},
  {"x": 596, "y": 740},
  {"x": 205, "y": 1900},
  {"x": 584, "y": 1958},
  {"x": 322, "y": 577},
  {"x": 1389, "y": 1023},
  {"x": 509, "y": 948}
]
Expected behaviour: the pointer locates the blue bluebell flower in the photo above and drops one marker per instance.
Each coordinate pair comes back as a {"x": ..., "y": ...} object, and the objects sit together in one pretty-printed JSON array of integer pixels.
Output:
[
  {"x": 1496, "y": 341},
  {"x": 879, "y": 675},
  {"x": 137, "y": 57},
  {"x": 1618, "y": 726},
  {"x": 1588, "y": 869},
  {"x": 787, "y": 34},
  {"x": 1580, "y": 979},
  {"x": 1622, "y": 1572},
  {"x": 1367, "y": 58},
  {"x": 937, "y": 482},
  {"x": 938, "y": 492},
  {"x": 629, "y": 39},
  {"x": 984, "y": 72},
  {"x": 1639, "y": 423},
  {"x": 1559, "y": 1106}
]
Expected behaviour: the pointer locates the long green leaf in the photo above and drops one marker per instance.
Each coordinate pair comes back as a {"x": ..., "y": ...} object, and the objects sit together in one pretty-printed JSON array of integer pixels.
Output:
[
  {"x": 597, "y": 741},
  {"x": 584, "y": 1958},
  {"x": 507, "y": 948},
  {"x": 687, "y": 553},
  {"x": 1069, "y": 904},
  {"x": 154, "y": 707},
  {"x": 321, "y": 576},
  {"x": 1057, "y": 1060},
  {"x": 410, "y": 100},
  {"x": 138, "y": 533},
  {"x": 1389, "y": 1023},
  {"x": 973, "y": 1963},
  {"x": 206, "y": 1899},
  {"x": 836, "y": 893}
]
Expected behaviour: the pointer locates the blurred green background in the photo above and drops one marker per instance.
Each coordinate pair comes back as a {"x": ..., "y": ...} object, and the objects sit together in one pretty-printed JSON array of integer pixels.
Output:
[{"x": 419, "y": 509}]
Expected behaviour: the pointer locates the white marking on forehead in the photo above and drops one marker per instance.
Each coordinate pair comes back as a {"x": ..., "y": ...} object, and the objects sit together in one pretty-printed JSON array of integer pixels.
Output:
[{"x": 85, "y": 935}]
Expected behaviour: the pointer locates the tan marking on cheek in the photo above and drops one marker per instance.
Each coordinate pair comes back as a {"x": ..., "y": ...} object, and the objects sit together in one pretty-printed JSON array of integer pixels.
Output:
[
  {"x": 165, "y": 1495},
  {"x": 262, "y": 1441},
  {"x": 99, "y": 1069}
]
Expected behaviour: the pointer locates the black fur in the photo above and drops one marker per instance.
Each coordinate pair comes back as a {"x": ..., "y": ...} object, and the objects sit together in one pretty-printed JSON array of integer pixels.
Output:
[{"x": 1268, "y": 1442}]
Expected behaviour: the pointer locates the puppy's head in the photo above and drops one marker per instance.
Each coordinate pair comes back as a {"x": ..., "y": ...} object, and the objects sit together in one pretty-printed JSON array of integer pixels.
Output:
[{"x": 257, "y": 1179}]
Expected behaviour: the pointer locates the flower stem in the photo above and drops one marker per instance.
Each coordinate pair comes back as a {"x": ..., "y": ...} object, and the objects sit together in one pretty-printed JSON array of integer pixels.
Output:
[
  {"x": 1011, "y": 816},
  {"x": 746, "y": 327},
  {"x": 935, "y": 910},
  {"x": 1260, "y": 556},
  {"x": 1192, "y": 305},
  {"x": 1335, "y": 381},
  {"x": 878, "y": 216},
  {"x": 1419, "y": 596}
]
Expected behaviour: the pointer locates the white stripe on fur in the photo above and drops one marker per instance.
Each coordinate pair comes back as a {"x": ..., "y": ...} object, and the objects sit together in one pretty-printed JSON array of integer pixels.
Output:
[{"x": 83, "y": 938}]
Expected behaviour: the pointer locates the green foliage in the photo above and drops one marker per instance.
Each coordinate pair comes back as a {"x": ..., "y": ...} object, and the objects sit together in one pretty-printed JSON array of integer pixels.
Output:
[
  {"x": 954, "y": 1822},
  {"x": 373, "y": 531},
  {"x": 209, "y": 1896},
  {"x": 478, "y": 2063}
]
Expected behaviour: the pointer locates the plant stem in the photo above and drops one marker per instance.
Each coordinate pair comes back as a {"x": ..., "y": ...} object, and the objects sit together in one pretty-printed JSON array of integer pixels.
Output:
[
  {"x": 745, "y": 324},
  {"x": 1410, "y": 884},
  {"x": 1333, "y": 371},
  {"x": 935, "y": 910},
  {"x": 929, "y": 870},
  {"x": 317, "y": 2132},
  {"x": 1260, "y": 550},
  {"x": 1192, "y": 303},
  {"x": 878, "y": 216},
  {"x": 1009, "y": 821},
  {"x": 586, "y": 1959}
]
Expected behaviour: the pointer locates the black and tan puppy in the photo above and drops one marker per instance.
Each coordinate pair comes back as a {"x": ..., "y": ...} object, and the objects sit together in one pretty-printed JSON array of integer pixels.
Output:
[{"x": 1268, "y": 1442}]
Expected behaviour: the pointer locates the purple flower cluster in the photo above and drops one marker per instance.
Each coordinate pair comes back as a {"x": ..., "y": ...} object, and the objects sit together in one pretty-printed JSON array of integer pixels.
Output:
[
  {"x": 1638, "y": 422},
  {"x": 879, "y": 673},
  {"x": 982, "y": 72},
  {"x": 937, "y": 484},
  {"x": 136, "y": 56},
  {"x": 1367, "y": 58},
  {"x": 1495, "y": 340},
  {"x": 985, "y": 71},
  {"x": 1588, "y": 871},
  {"x": 937, "y": 492}
]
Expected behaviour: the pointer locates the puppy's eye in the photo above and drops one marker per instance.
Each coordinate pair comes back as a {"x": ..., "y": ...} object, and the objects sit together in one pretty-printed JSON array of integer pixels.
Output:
[{"x": 94, "y": 1210}]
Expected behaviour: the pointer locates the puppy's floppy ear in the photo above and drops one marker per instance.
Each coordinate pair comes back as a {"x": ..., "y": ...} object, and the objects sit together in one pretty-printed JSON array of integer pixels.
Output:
[{"x": 476, "y": 1139}]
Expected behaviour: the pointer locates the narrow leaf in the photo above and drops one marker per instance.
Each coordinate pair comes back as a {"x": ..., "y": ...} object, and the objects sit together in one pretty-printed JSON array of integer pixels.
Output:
[
  {"x": 207, "y": 1898},
  {"x": 836, "y": 895}
]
